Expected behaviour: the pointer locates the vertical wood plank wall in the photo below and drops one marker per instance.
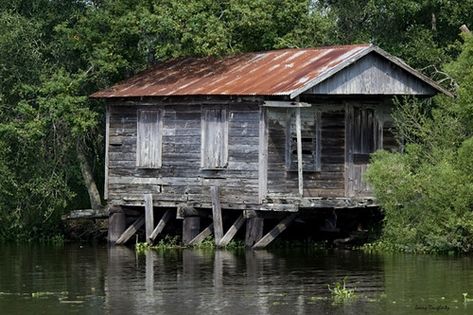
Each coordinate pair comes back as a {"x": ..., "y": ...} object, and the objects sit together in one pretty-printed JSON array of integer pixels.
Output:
[
  {"x": 327, "y": 180},
  {"x": 181, "y": 178}
]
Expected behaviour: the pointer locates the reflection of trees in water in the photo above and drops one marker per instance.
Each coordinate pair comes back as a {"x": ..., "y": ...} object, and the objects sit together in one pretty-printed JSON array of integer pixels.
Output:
[{"x": 56, "y": 275}]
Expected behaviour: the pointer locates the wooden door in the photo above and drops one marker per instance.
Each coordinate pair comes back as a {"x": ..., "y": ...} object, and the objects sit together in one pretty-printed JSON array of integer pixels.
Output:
[{"x": 362, "y": 135}]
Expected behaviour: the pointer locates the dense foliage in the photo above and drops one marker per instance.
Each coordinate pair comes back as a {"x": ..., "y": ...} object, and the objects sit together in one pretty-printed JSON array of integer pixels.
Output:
[
  {"x": 53, "y": 53},
  {"x": 427, "y": 191}
]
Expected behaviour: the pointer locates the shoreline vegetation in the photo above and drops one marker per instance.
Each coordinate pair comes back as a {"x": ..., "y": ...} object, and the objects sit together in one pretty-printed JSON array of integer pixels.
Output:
[
  {"x": 173, "y": 242},
  {"x": 54, "y": 54}
]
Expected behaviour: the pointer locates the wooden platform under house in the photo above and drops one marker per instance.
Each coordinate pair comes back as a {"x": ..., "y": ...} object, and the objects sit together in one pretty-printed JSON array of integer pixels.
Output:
[{"x": 278, "y": 133}]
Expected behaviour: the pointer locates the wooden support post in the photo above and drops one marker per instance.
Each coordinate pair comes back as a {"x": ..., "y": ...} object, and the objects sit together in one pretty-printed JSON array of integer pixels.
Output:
[
  {"x": 202, "y": 235},
  {"x": 232, "y": 231},
  {"x": 190, "y": 229},
  {"x": 262, "y": 156},
  {"x": 161, "y": 224},
  {"x": 107, "y": 144},
  {"x": 216, "y": 214},
  {"x": 349, "y": 113},
  {"x": 116, "y": 224},
  {"x": 132, "y": 229},
  {"x": 149, "y": 217},
  {"x": 299, "y": 152},
  {"x": 254, "y": 230},
  {"x": 278, "y": 229}
]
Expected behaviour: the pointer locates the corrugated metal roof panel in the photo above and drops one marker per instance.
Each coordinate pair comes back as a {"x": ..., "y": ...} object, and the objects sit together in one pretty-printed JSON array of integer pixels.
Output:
[{"x": 278, "y": 72}]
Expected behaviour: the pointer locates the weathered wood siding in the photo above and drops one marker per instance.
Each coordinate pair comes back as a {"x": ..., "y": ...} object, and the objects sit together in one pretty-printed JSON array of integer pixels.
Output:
[
  {"x": 324, "y": 180},
  {"x": 260, "y": 163},
  {"x": 180, "y": 177},
  {"x": 368, "y": 128},
  {"x": 372, "y": 75}
]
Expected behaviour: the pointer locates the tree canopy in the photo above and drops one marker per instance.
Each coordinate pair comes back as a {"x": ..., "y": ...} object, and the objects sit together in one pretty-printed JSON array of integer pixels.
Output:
[{"x": 54, "y": 53}]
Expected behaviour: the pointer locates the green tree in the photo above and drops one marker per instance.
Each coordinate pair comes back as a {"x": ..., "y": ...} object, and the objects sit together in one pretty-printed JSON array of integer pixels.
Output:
[{"x": 427, "y": 191}]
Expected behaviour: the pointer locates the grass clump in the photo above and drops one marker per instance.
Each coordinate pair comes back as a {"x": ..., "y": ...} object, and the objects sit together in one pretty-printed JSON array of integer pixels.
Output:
[
  {"x": 168, "y": 242},
  {"x": 340, "y": 293},
  {"x": 174, "y": 242}
]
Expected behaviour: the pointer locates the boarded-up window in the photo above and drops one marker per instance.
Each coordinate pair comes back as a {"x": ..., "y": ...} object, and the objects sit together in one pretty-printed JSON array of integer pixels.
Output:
[
  {"x": 149, "y": 139},
  {"x": 311, "y": 139},
  {"x": 364, "y": 130},
  {"x": 214, "y": 138}
]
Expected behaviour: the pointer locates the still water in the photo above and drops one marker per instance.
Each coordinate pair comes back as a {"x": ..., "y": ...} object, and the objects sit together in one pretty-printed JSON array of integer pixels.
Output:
[{"x": 77, "y": 279}]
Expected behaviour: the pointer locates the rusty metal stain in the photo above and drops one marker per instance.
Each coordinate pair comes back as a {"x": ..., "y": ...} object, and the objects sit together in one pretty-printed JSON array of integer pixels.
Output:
[{"x": 277, "y": 72}]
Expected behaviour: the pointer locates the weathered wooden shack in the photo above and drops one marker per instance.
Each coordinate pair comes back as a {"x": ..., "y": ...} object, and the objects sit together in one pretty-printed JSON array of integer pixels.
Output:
[{"x": 281, "y": 132}]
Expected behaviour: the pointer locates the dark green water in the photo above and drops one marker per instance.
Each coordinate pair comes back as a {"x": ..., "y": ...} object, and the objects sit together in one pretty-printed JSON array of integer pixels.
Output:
[{"x": 96, "y": 280}]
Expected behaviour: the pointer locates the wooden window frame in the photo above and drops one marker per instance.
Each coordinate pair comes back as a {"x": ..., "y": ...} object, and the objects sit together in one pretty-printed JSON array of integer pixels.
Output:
[
  {"x": 365, "y": 149},
  {"x": 204, "y": 145},
  {"x": 157, "y": 163},
  {"x": 291, "y": 140}
]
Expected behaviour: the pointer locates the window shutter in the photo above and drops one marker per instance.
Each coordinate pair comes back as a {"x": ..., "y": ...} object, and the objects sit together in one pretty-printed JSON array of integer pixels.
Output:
[
  {"x": 214, "y": 138},
  {"x": 149, "y": 139}
]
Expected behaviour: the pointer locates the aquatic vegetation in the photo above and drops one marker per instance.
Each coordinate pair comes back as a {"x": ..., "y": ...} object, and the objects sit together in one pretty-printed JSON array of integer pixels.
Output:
[
  {"x": 340, "y": 293},
  {"x": 141, "y": 248},
  {"x": 174, "y": 242},
  {"x": 168, "y": 242},
  {"x": 466, "y": 299},
  {"x": 207, "y": 243}
]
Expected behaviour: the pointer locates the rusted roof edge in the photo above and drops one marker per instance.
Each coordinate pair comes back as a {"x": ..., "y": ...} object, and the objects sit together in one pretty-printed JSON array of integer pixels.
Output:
[{"x": 330, "y": 72}]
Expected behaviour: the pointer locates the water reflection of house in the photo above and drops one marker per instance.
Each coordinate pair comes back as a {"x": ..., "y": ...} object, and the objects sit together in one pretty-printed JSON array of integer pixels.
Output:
[{"x": 282, "y": 132}]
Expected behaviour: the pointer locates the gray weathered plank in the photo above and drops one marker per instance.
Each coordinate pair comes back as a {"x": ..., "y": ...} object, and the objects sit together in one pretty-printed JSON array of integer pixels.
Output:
[
  {"x": 190, "y": 228},
  {"x": 131, "y": 230},
  {"x": 116, "y": 225},
  {"x": 214, "y": 152},
  {"x": 149, "y": 139},
  {"x": 263, "y": 156},
  {"x": 202, "y": 235},
  {"x": 161, "y": 224},
  {"x": 149, "y": 216},
  {"x": 107, "y": 143},
  {"x": 373, "y": 75},
  {"x": 318, "y": 140},
  {"x": 254, "y": 230},
  {"x": 278, "y": 229},
  {"x": 216, "y": 213},
  {"x": 299, "y": 152},
  {"x": 232, "y": 231}
]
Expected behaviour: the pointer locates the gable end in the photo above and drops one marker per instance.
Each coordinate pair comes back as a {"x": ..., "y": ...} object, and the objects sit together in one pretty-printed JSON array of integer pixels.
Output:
[{"x": 373, "y": 75}]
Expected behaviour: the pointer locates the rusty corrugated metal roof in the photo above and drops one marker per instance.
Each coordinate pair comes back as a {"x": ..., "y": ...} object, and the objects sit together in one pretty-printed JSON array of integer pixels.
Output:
[{"x": 277, "y": 72}]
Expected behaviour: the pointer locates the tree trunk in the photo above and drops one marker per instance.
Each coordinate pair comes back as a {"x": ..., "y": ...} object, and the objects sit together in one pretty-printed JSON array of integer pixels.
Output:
[{"x": 94, "y": 195}]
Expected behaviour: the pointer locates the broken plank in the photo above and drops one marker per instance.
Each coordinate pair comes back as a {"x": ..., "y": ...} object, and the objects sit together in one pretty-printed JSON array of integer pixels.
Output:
[
  {"x": 202, "y": 235},
  {"x": 232, "y": 231},
  {"x": 278, "y": 229},
  {"x": 131, "y": 230},
  {"x": 161, "y": 224}
]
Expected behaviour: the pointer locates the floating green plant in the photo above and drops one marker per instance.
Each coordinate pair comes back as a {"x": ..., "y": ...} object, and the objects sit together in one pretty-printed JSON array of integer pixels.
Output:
[{"x": 340, "y": 293}]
